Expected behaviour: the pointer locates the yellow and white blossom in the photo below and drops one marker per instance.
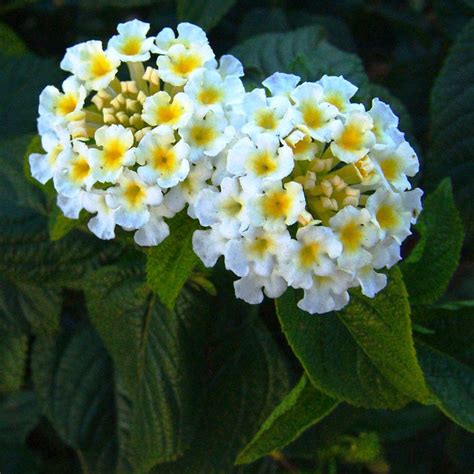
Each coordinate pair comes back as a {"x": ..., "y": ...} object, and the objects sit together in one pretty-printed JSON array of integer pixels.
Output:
[
  {"x": 385, "y": 124},
  {"x": 354, "y": 138},
  {"x": 263, "y": 159},
  {"x": 164, "y": 162},
  {"x": 188, "y": 35},
  {"x": 180, "y": 62},
  {"x": 115, "y": 152},
  {"x": 311, "y": 114},
  {"x": 281, "y": 84},
  {"x": 131, "y": 198},
  {"x": 91, "y": 64},
  {"x": 160, "y": 109},
  {"x": 132, "y": 44},
  {"x": 338, "y": 92}
]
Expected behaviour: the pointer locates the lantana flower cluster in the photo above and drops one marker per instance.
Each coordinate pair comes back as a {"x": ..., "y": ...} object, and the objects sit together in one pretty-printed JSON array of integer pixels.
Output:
[{"x": 294, "y": 184}]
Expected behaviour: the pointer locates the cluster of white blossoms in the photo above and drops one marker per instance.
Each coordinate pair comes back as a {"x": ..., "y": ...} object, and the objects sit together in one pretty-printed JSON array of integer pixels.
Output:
[{"x": 294, "y": 184}]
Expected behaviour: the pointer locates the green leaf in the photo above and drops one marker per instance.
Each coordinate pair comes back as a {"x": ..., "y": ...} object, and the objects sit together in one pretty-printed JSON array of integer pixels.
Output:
[
  {"x": 381, "y": 326},
  {"x": 59, "y": 225},
  {"x": 301, "y": 408},
  {"x": 452, "y": 108},
  {"x": 430, "y": 266},
  {"x": 157, "y": 360},
  {"x": 13, "y": 361},
  {"x": 249, "y": 378},
  {"x": 73, "y": 378},
  {"x": 205, "y": 13},
  {"x": 170, "y": 264},
  {"x": 344, "y": 363},
  {"x": 302, "y": 51},
  {"x": 29, "y": 309},
  {"x": 451, "y": 381},
  {"x": 23, "y": 78},
  {"x": 19, "y": 414},
  {"x": 12, "y": 45}
]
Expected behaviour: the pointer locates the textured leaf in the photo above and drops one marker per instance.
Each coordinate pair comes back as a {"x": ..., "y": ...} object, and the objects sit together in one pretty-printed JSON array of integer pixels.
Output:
[
  {"x": 27, "y": 308},
  {"x": 205, "y": 13},
  {"x": 155, "y": 356},
  {"x": 304, "y": 51},
  {"x": 23, "y": 78},
  {"x": 59, "y": 225},
  {"x": 170, "y": 263},
  {"x": 73, "y": 378},
  {"x": 249, "y": 379},
  {"x": 430, "y": 266},
  {"x": 452, "y": 109},
  {"x": 13, "y": 361},
  {"x": 451, "y": 381},
  {"x": 381, "y": 327},
  {"x": 301, "y": 408},
  {"x": 335, "y": 362},
  {"x": 19, "y": 414}
]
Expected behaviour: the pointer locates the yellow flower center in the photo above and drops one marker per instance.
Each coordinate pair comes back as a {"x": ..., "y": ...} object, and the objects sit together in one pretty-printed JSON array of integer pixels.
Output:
[
  {"x": 66, "y": 104},
  {"x": 309, "y": 254},
  {"x": 351, "y": 236},
  {"x": 276, "y": 204},
  {"x": 260, "y": 246},
  {"x": 100, "y": 65},
  {"x": 263, "y": 163},
  {"x": 186, "y": 63},
  {"x": 169, "y": 113},
  {"x": 231, "y": 207},
  {"x": 351, "y": 138},
  {"x": 131, "y": 46},
  {"x": 266, "y": 119},
  {"x": 390, "y": 168},
  {"x": 203, "y": 134},
  {"x": 113, "y": 153},
  {"x": 134, "y": 194},
  {"x": 209, "y": 96},
  {"x": 387, "y": 217},
  {"x": 80, "y": 169},
  {"x": 164, "y": 160},
  {"x": 335, "y": 99},
  {"x": 312, "y": 116}
]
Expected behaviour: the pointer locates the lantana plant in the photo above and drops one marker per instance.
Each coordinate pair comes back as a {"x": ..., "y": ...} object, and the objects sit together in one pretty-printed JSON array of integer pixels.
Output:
[{"x": 295, "y": 183}]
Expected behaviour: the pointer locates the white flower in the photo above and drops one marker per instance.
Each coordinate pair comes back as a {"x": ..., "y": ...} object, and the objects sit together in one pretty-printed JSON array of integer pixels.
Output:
[
  {"x": 354, "y": 139},
  {"x": 209, "y": 245},
  {"x": 385, "y": 124},
  {"x": 281, "y": 84},
  {"x": 230, "y": 66},
  {"x": 370, "y": 281},
  {"x": 277, "y": 207},
  {"x": 74, "y": 171},
  {"x": 116, "y": 152},
  {"x": 103, "y": 223},
  {"x": 62, "y": 106},
  {"x": 338, "y": 92},
  {"x": 71, "y": 207},
  {"x": 313, "y": 253},
  {"x": 262, "y": 159},
  {"x": 206, "y": 136},
  {"x": 209, "y": 91},
  {"x": 180, "y": 62},
  {"x": 91, "y": 64},
  {"x": 266, "y": 114},
  {"x": 311, "y": 114},
  {"x": 44, "y": 166},
  {"x": 131, "y": 198},
  {"x": 257, "y": 250},
  {"x": 188, "y": 35},
  {"x": 227, "y": 207},
  {"x": 356, "y": 234},
  {"x": 161, "y": 109},
  {"x": 187, "y": 191},
  {"x": 304, "y": 148},
  {"x": 131, "y": 44},
  {"x": 249, "y": 288},
  {"x": 156, "y": 229},
  {"x": 396, "y": 163},
  {"x": 327, "y": 293},
  {"x": 390, "y": 213},
  {"x": 165, "y": 162}
]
